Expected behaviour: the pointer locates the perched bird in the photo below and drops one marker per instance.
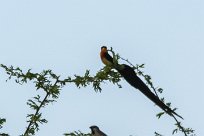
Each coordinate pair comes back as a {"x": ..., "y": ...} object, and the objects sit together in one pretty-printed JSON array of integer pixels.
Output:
[
  {"x": 95, "y": 131},
  {"x": 105, "y": 57},
  {"x": 131, "y": 77}
]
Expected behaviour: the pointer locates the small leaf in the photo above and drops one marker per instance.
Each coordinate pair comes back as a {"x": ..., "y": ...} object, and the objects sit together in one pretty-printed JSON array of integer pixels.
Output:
[{"x": 160, "y": 114}]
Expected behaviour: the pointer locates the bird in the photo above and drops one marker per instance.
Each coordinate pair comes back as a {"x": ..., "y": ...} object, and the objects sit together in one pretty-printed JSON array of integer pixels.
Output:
[
  {"x": 129, "y": 74},
  {"x": 95, "y": 131}
]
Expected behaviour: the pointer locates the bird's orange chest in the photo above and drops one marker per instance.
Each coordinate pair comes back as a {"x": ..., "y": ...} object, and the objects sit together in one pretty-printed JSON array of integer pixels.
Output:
[{"x": 104, "y": 60}]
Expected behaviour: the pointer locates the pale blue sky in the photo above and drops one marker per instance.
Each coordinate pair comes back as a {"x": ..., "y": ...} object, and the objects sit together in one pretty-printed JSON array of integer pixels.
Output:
[{"x": 66, "y": 36}]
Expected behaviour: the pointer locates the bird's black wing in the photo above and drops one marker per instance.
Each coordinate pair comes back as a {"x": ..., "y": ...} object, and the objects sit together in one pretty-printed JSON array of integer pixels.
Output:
[{"x": 108, "y": 57}]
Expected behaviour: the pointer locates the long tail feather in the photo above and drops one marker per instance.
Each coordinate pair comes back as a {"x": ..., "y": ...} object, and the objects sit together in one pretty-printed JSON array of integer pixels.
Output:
[{"x": 130, "y": 76}]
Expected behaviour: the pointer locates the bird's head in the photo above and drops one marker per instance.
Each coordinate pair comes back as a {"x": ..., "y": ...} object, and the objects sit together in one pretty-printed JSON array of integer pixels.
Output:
[
  {"x": 103, "y": 49},
  {"x": 94, "y": 129}
]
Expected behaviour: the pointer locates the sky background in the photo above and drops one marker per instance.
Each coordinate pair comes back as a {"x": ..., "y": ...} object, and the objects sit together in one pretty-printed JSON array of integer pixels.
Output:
[{"x": 66, "y": 36}]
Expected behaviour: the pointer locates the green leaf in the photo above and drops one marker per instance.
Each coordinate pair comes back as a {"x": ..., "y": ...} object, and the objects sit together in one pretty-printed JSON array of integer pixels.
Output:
[{"x": 160, "y": 114}]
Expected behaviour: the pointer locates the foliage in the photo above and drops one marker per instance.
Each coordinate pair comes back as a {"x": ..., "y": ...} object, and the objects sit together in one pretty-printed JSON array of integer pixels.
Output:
[
  {"x": 51, "y": 84},
  {"x": 2, "y": 121},
  {"x": 75, "y": 133}
]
